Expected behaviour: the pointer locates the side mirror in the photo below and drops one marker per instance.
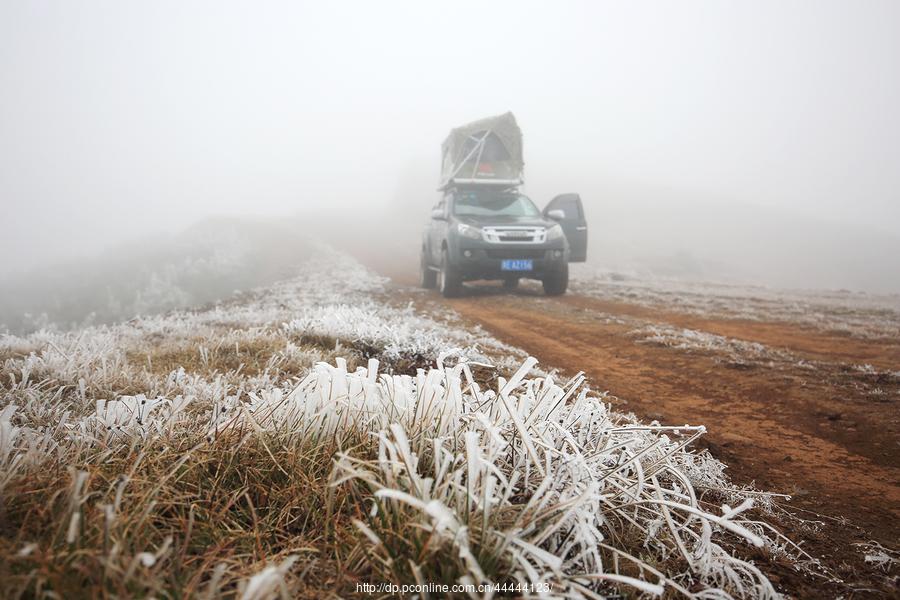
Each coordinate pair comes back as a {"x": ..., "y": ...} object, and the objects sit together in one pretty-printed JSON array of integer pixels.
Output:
[
  {"x": 556, "y": 214},
  {"x": 438, "y": 215}
]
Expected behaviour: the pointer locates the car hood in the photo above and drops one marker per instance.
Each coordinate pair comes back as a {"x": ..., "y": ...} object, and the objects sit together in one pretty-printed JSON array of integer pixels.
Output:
[{"x": 505, "y": 220}]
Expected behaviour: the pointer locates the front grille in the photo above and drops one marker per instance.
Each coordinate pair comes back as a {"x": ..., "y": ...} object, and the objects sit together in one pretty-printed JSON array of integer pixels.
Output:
[
  {"x": 514, "y": 234},
  {"x": 513, "y": 253}
]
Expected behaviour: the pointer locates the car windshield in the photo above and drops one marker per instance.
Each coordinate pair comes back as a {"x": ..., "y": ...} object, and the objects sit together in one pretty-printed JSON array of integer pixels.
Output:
[{"x": 493, "y": 204}]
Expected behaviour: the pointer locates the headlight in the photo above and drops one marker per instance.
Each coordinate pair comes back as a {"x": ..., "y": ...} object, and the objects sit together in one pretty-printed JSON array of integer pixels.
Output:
[
  {"x": 554, "y": 232},
  {"x": 468, "y": 231}
]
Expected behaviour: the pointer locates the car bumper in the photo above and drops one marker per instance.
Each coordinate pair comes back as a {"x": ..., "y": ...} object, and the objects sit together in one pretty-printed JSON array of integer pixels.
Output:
[{"x": 483, "y": 261}]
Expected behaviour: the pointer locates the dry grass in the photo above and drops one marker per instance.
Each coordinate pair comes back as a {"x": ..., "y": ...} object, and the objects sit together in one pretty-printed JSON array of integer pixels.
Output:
[
  {"x": 250, "y": 356},
  {"x": 203, "y": 455},
  {"x": 186, "y": 519},
  {"x": 355, "y": 477}
]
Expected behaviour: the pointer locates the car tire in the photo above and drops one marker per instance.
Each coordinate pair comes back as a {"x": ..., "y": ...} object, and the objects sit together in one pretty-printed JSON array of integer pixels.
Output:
[
  {"x": 427, "y": 277},
  {"x": 449, "y": 279},
  {"x": 511, "y": 283},
  {"x": 556, "y": 282}
]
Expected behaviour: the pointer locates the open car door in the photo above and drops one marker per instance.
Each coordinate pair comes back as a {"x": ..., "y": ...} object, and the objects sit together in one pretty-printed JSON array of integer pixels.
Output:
[{"x": 569, "y": 212}]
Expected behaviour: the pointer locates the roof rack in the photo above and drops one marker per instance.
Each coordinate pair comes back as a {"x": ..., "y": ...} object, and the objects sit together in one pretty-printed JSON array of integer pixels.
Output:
[{"x": 485, "y": 183}]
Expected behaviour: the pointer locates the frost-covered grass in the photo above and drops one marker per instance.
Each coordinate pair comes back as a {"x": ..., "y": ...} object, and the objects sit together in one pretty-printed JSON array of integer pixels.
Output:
[
  {"x": 311, "y": 435},
  {"x": 854, "y": 313},
  {"x": 734, "y": 351}
]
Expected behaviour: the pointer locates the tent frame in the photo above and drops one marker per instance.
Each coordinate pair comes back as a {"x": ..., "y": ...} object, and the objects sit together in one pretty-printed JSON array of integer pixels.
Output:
[{"x": 480, "y": 137}]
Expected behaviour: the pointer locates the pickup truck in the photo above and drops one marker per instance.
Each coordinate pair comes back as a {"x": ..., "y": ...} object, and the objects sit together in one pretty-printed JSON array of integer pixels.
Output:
[{"x": 482, "y": 232}]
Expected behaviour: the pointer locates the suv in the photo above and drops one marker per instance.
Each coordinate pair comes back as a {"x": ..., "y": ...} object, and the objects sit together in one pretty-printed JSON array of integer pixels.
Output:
[{"x": 483, "y": 233}]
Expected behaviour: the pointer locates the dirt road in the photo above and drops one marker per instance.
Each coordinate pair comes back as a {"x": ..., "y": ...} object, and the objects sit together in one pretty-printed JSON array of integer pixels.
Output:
[
  {"x": 783, "y": 426},
  {"x": 810, "y": 428},
  {"x": 803, "y": 416}
]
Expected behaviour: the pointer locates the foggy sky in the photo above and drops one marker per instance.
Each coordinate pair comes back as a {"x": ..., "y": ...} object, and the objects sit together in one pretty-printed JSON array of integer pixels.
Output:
[{"x": 118, "y": 119}]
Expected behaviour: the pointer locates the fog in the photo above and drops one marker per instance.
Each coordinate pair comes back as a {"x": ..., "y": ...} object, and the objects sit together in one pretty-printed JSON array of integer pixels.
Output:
[{"x": 758, "y": 142}]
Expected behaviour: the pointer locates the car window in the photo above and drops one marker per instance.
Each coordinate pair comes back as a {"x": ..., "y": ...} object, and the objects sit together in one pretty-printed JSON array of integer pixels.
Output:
[{"x": 482, "y": 203}]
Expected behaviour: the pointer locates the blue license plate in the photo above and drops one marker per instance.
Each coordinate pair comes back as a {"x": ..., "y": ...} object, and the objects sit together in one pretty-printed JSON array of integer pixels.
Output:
[{"x": 517, "y": 265}]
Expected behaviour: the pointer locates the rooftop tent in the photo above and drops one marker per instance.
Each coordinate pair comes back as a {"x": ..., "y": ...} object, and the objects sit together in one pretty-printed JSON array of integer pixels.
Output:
[{"x": 488, "y": 151}]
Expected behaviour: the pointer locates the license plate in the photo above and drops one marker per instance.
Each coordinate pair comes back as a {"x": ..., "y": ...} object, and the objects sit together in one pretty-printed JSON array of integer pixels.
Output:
[{"x": 517, "y": 265}]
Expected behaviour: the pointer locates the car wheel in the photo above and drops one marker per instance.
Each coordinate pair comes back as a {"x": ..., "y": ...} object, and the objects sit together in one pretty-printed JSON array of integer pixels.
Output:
[
  {"x": 511, "y": 283},
  {"x": 555, "y": 283},
  {"x": 449, "y": 280},
  {"x": 427, "y": 276}
]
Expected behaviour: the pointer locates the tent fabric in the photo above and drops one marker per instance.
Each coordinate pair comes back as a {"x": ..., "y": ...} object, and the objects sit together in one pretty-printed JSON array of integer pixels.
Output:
[{"x": 486, "y": 150}]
